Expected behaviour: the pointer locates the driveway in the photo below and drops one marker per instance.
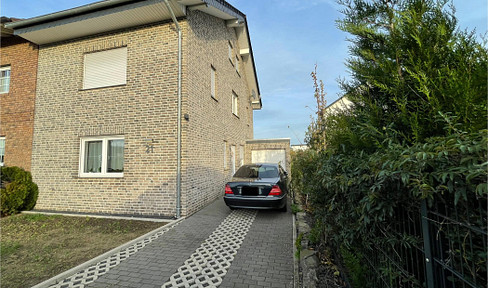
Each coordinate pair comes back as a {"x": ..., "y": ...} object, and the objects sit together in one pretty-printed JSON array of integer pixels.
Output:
[{"x": 216, "y": 247}]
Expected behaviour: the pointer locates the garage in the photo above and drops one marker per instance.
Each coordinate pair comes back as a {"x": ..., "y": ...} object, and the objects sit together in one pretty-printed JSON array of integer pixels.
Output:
[{"x": 269, "y": 151}]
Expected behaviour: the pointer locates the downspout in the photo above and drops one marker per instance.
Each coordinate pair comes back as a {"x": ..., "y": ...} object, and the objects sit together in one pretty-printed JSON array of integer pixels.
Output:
[{"x": 178, "y": 149}]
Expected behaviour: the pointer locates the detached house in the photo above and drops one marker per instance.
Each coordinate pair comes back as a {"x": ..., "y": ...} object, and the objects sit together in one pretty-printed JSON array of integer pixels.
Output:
[{"x": 142, "y": 107}]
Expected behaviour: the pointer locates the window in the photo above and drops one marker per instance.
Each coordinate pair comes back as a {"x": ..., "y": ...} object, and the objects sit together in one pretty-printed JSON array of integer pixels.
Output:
[
  {"x": 105, "y": 68},
  {"x": 237, "y": 64},
  {"x": 2, "y": 150},
  {"x": 230, "y": 51},
  {"x": 4, "y": 79},
  {"x": 235, "y": 104},
  {"x": 212, "y": 82},
  {"x": 225, "y": 154},
  {"x": 233, "y": 159},
  {"x": 102, "y": 156},
  {"x": 241, "y": 155}
]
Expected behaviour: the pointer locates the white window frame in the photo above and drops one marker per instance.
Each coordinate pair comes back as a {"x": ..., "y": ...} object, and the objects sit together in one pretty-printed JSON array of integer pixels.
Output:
[
  {"x": 235, "y": 104},
  {"x": 213, "y": 82},
  {"x": 105, "y": 68},
  {"x": 2, "y": 157},
  {"x": 5, "y": 68},
  {"x": 103, "y": 173}
]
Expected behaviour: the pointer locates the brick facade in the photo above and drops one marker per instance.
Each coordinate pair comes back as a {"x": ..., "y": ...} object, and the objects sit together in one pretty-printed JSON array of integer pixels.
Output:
[
  {"x": 17, "y": 106},
  {"x": 211, "y": 119},
  {"x": 143, "y": 111}
]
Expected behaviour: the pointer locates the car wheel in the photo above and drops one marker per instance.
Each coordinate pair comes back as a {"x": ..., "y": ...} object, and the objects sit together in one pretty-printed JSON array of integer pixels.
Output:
[
  {"x": 284, "y": 209},
  {"x": 232, "y": 208}
]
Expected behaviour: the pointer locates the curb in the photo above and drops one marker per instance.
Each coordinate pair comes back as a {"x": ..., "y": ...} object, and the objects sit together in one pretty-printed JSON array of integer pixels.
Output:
[
  {"x": 296, "y": 279},
  {"x": 105, "y": 255},
  {"x": 169, "y": 221}
]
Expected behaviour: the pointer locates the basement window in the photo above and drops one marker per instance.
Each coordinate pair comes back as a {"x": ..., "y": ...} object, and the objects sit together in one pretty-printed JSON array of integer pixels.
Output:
[
  {"x": 102, "y": 156},
  {"x": 105, "y": 68}
]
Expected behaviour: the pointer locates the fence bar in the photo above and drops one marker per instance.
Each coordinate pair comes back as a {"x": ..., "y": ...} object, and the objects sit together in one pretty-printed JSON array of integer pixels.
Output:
[{"x": 429, "y": 273}]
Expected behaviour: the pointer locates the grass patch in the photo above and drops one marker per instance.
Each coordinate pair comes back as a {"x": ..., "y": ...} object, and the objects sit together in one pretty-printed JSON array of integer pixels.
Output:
[
  {"x": 295, "y": 208},
  {"x": 298, "y": 245},
  {"x": 36, "y": 247}
]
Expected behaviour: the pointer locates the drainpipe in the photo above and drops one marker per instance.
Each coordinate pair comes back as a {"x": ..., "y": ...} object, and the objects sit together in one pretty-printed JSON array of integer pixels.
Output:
[{"x": 178, "y": 149}]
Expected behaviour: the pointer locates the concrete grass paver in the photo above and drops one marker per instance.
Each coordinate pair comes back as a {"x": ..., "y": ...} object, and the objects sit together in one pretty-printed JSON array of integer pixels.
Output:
[
  {"x": 159, "y": 260},
  {"x": 264, "y": 258}
]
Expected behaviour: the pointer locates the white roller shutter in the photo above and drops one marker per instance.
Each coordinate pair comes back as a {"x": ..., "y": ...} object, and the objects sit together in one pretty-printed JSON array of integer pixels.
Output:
[
  {"x": 269, "y": 156},
  {"x": 105, "y": 68}
]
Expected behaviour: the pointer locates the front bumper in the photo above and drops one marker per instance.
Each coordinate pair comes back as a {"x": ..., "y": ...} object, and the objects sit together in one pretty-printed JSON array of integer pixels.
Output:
[{"x": 255, "y": 202}]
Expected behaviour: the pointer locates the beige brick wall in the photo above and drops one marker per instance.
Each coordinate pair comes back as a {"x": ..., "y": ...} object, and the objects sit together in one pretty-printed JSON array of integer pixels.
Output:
[
  {"x": 211, "y": 120},
  {"x": 144, "y": 108},
  {"x": 17, "y": 106}
]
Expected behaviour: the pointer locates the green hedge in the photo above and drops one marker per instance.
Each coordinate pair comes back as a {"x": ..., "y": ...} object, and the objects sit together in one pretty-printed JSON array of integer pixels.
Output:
[
  {"x": 18, "y": 192},
  {"x": 354, "y": 196}
]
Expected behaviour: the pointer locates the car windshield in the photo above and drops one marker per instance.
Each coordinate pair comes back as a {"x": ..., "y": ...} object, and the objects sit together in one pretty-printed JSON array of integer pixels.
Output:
[{"x": 257, "y": 171}]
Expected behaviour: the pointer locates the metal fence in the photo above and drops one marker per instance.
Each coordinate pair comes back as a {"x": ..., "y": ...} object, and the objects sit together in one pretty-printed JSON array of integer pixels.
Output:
[{"x": 436, "y": 245}]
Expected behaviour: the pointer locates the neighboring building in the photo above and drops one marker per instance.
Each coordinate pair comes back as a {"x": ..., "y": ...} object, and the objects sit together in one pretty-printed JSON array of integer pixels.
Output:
[
  {"x": 18, "y": 70},
  {"x": 340, "y": 104},
  {"x": 301, "y": 147},
  {"x": 106, "y": 121}
]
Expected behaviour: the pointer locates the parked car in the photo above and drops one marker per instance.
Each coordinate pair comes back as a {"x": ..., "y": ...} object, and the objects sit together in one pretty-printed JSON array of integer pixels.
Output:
[{"x": 257, "y": 186}]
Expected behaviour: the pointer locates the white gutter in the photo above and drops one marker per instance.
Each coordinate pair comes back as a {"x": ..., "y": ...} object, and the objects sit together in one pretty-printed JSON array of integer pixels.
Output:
[{"x": 178, "y": 149}]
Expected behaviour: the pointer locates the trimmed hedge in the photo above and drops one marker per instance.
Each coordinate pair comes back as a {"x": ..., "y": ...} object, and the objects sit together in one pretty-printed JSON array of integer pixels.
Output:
[{"x": 18, "y": 192}]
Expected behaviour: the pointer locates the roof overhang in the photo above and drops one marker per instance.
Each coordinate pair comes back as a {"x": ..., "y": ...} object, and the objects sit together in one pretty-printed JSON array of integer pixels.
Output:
[
  {"x": 112, "y": 15},
  {"x": 5, "y": 32},
  {"x": 92, "y": 19}
]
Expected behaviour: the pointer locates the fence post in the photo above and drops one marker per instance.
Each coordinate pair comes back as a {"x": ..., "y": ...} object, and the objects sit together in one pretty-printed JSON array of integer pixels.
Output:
[{"x": 429, "y": 272}]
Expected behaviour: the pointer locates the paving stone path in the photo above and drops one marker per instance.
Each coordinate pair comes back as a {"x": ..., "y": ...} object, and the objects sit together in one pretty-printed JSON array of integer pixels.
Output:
[{"x": 216, "y": 247}]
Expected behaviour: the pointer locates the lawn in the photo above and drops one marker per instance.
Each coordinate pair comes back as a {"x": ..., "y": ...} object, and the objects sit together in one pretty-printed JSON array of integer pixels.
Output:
[{"x": 36, "y": 247}]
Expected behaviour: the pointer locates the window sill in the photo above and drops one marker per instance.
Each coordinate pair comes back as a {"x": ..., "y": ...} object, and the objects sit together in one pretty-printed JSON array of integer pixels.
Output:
[
  {"x": 99, "y": 175},
  {"x": 216, "y": 100},
  {"x": 232, "y": 63},
  {"x": 236, "y": 116},
  {"x": 94, "y": 88}
]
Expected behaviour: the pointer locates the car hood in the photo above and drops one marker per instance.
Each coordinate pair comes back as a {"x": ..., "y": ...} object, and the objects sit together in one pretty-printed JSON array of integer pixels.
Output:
[{"x": 256, "y": 180}]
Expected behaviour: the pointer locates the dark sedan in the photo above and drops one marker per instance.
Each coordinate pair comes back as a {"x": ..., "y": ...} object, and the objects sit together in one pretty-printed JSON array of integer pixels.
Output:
[{"x": 257, "y": 186}]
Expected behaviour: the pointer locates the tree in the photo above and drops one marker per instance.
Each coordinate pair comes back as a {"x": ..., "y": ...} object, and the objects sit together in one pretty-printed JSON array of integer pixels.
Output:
[{"x": 413, "y": 72}]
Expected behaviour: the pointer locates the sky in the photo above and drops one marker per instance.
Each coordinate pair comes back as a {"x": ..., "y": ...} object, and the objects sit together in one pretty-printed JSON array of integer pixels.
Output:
[{"x": 289, "y": 37}]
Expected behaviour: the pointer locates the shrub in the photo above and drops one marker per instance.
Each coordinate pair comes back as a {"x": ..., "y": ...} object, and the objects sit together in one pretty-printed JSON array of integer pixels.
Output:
[
  {"x": 356, "y": 270},
  {"x": 17, "y": 192}
]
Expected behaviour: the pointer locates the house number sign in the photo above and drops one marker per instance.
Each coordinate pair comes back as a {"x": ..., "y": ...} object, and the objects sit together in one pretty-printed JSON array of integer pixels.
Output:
[{"x": 149, "y": 145}]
